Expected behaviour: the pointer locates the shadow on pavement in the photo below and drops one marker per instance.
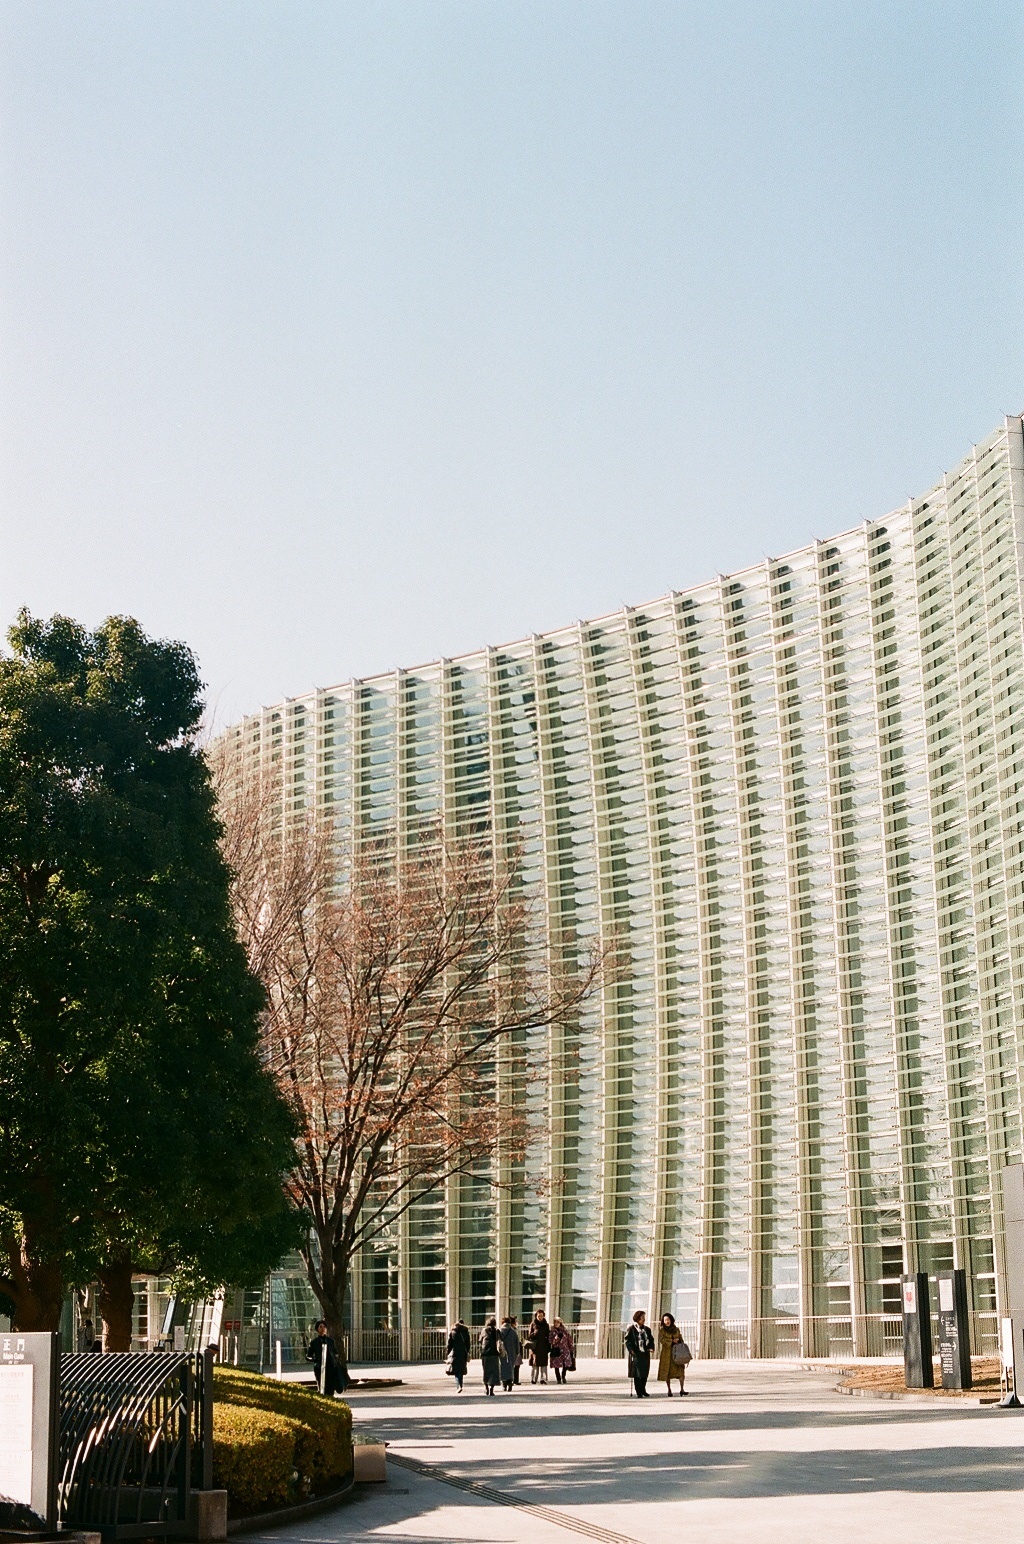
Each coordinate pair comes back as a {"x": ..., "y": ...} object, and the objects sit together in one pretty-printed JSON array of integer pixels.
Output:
[
  {"x": 728, "y": 1474},
  {"x": 376, "y": 1512}
]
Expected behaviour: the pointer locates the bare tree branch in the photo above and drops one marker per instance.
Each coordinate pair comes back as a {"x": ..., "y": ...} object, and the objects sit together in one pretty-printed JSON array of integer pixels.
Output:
[{"x": 392, "y": 979}]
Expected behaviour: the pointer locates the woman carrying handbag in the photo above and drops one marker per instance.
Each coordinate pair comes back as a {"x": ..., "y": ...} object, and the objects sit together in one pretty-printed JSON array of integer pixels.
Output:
[
  {"x": 673, "y": 1353},
  {"x": 563, "y": 1351},
  {"x": 458, "y": 1353}
]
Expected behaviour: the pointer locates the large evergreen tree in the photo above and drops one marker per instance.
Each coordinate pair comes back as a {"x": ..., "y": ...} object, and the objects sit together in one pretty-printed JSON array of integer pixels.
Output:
[{"x": 138, "y": 1128}]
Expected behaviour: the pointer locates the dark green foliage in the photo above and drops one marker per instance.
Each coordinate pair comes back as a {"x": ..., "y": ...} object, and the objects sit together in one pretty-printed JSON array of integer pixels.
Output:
[
  {"x": 324, "y": 1455},
  {"x": 137, "y": 1125},
  {"x": 254, "y": 1458}
]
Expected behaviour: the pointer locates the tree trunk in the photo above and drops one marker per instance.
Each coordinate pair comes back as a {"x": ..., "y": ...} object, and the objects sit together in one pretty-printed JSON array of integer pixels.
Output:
[
  {"x": 116, "y": 1302},
  {"x": 35, "y": 1288},
  {"x": 330, "y": 1286},
  {"x": 334, "y": 1313}
]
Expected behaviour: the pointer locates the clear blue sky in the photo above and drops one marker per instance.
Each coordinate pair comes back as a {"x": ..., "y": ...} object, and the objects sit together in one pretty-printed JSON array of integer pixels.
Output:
[{"x": 335, "y": 337}]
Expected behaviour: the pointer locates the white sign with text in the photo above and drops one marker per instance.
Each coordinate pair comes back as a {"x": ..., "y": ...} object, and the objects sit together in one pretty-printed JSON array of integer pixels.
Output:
[{"x": 16, "y": 1432}]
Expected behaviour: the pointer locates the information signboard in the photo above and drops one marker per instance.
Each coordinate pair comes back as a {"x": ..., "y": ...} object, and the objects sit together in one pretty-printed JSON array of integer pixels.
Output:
[
  {"x": 954, "y": 1330},
  {"x": 917, "y": 1332},
  {"x": 29, "y": 1370}
]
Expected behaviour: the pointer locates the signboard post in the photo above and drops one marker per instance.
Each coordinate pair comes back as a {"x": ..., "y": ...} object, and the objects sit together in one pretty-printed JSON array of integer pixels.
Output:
[
  {"x": 1009, "y": 1400},
  {"x": 917, "y": 1332},
  {"x": 1013, "y": 1323},
  {"x": 954, "y": 1330},
  {"x": 29, "y": 1374}
]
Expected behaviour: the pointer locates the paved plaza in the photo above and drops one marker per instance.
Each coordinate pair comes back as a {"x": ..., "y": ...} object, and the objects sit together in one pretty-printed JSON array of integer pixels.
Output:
[{"x": 763, "y": 1453}]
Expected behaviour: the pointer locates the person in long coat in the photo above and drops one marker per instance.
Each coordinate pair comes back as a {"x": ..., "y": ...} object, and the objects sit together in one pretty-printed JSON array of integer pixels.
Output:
[
  {"x": 511, "y": 1351},
  {"x": 457, "y": 1351},
  {"x": 671, "y": 1363},
  {"x": 539, "y": 1342},
  {"x": 563, "y": 1351},
  {"x": 490, "y": 1355},
  {"x": 639, "y": 1345},
  {"x": 330, "y": 1370},
  {"x": 519, "y": 1353}
]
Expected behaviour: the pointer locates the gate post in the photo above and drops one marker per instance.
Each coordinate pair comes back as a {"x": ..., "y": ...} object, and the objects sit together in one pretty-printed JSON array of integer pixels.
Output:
[
  {"x": 206, "y": 1419},
  {"x": 188, "y": 1389}
]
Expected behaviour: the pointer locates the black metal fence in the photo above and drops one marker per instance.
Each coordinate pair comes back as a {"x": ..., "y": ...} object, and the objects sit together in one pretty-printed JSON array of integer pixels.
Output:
[{"x": 135, "y": 1440}]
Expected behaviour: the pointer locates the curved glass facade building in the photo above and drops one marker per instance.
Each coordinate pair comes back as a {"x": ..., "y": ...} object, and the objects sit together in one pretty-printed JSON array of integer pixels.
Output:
[{"x": 796, "y": 794}]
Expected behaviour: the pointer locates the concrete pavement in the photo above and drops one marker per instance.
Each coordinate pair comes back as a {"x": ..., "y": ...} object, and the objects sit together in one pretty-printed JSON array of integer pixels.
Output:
[{"x": 763, "y": 1453}]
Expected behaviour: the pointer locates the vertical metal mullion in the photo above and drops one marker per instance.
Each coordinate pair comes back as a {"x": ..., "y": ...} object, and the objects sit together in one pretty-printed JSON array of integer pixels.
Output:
[
  {"x": 609, "y": 1019},
  {"x": 854, "y": 1200},
  {"x": 449, "y": 832},
  {"x": 795, "y": 935},
  {"x": 1010, "y": 784},
  {"x": 735, "y": 654},
  {"x": 655, "y": 868},
  {"x": 997, "y": 1153},
  {"x": 707, "y": 1341},
  {"x": 962, "y": 1220},
  {"x": 556, "y": 1035},
  {"x": 505, "y": 1052}
]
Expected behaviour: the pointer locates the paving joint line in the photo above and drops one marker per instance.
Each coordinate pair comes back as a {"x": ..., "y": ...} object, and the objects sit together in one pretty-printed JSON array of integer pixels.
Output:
[{"x": 505, "y": 1498}]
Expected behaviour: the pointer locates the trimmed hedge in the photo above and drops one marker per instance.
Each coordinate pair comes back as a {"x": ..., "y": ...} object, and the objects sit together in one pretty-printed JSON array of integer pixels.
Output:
[
  {"x": 275, "y": 1442},
  {"x": 253, "y": 1457}
]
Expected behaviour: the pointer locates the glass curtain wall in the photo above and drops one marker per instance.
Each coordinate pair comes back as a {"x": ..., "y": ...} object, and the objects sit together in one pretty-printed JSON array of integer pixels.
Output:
[{"x": 793, "y": 797}]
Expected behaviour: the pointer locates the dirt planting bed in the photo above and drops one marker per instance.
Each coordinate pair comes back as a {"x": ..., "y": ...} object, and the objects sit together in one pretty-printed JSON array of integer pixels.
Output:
[{"x": 888, "y": 1379}]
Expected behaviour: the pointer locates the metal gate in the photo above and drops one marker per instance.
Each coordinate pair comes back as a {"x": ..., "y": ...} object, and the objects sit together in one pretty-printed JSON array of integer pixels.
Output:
[{"x": 128, "y": 1426}]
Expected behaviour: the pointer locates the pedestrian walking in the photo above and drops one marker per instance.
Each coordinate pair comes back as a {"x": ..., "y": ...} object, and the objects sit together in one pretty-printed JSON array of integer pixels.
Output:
[
  {"x": 673, "y": 1353},
  {"x": 563, "y": 1351},
  {"x": 511, "y": 1352},
  {"x": 538, "y": 1341},
  {"x": 331, "y": 1372},
  {"x": 519, "y": 1353},
  {"x": 639, "y": 1346},
  {"x": 457, "y": 1349},
  {"x": 490, "y": 1355}
]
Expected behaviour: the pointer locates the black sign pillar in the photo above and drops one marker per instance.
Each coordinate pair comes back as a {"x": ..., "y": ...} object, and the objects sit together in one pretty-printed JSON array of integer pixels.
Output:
[
  {"x": 954, "y": 1330},
  {"x": 917, "y": 1332},
  {"x": 29, "y": 1374}
]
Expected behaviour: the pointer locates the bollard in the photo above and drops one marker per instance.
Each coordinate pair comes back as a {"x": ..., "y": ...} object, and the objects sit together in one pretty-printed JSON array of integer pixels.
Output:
[
  {"x": 369, "y": 1463},
  {"x": 277, "y": 1356}
]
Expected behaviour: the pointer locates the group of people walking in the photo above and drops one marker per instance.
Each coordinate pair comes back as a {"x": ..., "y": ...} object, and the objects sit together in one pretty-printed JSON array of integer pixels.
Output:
[
  {"x": 544, "y": 1345},
  {"x": 674, "y": 1354},
  {"x": 503, "y": 1351}
]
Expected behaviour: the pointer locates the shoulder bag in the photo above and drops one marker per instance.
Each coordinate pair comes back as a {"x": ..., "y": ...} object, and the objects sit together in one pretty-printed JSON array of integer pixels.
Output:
[{"x": 680, "y": 1354}]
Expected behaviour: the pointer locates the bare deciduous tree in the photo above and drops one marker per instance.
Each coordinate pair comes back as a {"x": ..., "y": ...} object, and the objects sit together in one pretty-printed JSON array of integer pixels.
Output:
[{"x": 390, "y": 989}]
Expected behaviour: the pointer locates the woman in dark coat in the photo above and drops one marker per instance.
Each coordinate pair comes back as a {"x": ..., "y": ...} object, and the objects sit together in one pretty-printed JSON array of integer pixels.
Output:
[
  {"x": 490, "y": 1355},
  {"x": 458, "y": 1352},
  {"x": 639, "y": 1345},
  {"x": 519, "y": 1353},
  {"x": 330, "y": 1370},
  {"x": 539, "y": 1341},
  {"x": 511, "y": 1352},
  {"x": 674, "y": 1353},
  {"x": 563, "y": 1351}
]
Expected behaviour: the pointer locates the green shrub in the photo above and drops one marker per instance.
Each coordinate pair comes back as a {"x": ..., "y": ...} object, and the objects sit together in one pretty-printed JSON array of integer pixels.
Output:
[
  {"x": 324, "y": 1457},
  {"x": 253, "y": 1457}
]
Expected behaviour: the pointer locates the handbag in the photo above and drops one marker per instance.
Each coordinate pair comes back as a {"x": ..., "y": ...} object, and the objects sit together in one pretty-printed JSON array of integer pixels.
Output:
[
  {"x": 449, "y": 1366},
  {"x": 680, "y": 1354}
]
